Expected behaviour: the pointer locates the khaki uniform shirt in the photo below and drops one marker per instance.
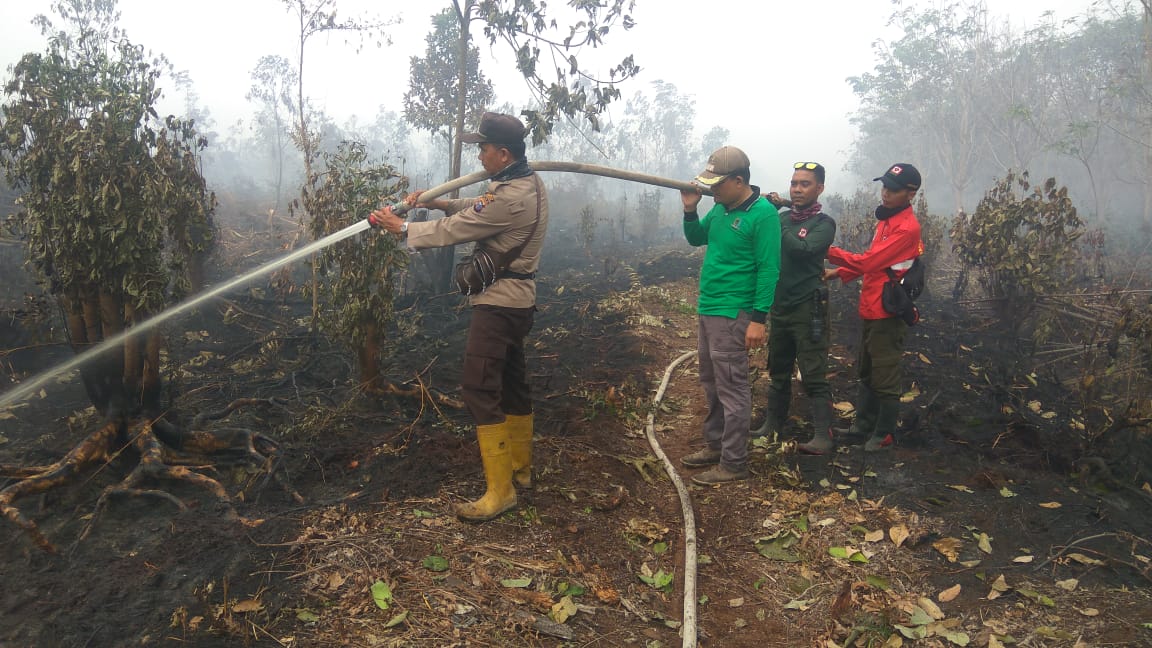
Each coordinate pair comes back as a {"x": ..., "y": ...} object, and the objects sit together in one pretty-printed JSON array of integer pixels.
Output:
[{"x": 499, "y": 220}]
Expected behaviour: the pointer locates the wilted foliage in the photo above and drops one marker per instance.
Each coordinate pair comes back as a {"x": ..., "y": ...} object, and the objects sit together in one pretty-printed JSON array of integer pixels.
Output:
[
  {"x": 932, "y": 229},
  {"x": 357, "y": 275},
  {"x": 115, "y": 209},
  {"x": 1021, "y": 243},
  {"x": 855, "y": 218}
]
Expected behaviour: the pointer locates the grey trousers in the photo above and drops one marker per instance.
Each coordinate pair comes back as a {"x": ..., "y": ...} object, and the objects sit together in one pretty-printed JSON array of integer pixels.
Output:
[{"x": 723, "y": 362}]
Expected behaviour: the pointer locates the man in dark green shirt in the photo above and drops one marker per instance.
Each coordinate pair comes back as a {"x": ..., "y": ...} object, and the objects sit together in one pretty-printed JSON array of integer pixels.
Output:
[
  {"x": 799, "y": 332},
  {"x": 737, "y": 284}
]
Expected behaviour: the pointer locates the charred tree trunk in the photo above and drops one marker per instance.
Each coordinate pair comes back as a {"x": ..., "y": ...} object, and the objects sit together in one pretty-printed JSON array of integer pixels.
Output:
[
  {"x": 112, "y": 361},
  {"x": 368, "y": 355},
  {"x": 133, "y": 356},
  {"x": 150, "y": 391},
  {"x": 103, "y": 375}
]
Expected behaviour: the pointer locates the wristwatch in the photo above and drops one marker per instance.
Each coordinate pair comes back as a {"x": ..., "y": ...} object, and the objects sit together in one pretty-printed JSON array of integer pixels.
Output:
[{"x": 404, "y": 227}]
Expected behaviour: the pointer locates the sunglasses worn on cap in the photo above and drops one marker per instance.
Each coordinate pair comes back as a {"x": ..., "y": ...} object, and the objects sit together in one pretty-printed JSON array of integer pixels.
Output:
[{"x": 811, "y": 166}]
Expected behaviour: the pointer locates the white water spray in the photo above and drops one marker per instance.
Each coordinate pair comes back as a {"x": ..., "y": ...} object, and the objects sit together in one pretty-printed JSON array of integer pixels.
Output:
[{"x": 26, "y": 389}]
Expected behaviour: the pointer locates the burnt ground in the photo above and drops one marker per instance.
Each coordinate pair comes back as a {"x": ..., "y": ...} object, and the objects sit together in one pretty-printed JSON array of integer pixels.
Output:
[{"x": 981, "y": 528}]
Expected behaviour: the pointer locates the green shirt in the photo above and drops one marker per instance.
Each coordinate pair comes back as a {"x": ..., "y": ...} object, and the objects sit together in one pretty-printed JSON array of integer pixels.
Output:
[
  {"x": 742, "y": 262},
  {"x": 803, "y": 247}
]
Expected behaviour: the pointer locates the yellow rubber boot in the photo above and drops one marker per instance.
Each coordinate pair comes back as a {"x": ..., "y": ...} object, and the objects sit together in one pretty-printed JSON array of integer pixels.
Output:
[
  {"x": 520, "y": 445},
  {"x": 500, "y": 496}
]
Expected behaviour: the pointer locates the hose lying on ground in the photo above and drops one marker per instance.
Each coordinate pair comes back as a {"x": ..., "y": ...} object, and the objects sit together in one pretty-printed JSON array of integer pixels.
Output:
[{"x": 688, "y": 628}]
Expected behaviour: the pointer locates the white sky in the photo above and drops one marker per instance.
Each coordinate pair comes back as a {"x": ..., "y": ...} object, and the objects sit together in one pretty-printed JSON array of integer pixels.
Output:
[{"x": 773, "y": 73}]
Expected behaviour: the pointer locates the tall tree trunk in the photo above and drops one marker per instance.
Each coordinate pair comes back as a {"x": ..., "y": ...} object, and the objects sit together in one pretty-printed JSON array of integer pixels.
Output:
[
  {"x": 445, "y": 257},
  {"x": 368, "y": 354},
  {"x": 90, "y": 302},
  {"x": 133, "y": 355},
  {"x": 112, "y": 361},
  {"x": 74, "y": 318},
  {"x": 1147, "y": 4},
  {"x": 307, "y": 147},
  {"x": 150, "y": 389},
  {"x": 73, "y": 305}
]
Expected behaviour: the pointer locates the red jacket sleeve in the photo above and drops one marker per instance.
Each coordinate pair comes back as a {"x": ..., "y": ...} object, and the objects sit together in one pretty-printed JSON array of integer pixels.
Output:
[{"x": 892, "y": 244}]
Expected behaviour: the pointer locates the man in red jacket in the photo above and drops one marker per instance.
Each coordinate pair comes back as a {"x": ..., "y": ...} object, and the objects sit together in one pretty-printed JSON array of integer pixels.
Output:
[{"x": 895, "y": 246}]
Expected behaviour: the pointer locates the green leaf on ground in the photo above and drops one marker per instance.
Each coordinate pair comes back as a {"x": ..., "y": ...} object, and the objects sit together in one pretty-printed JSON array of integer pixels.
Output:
[
  {"x": 660, "y": 580},
  {"x": 381, "y": 595},
  {"x": 571, "y": 589},
  {"x": 397, "y": 620},
  {"x": 917, "y": 632},
  {"x": 778, "y": 548},
  {"x": 1036, "y": 596},
  {"x": 844, "y": 553},
  {"x": 307, "y": 616},
  {"x": 920, "y": 616},
  {"x": 435, "y": 563},
  {"x": 516, "y": 582}
]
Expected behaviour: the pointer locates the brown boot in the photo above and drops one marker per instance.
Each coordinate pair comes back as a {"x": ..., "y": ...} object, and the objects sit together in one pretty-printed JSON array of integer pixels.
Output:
[
  {"x": 704, "y": 457},
  {"x": 500, "y": 496},
  {"x": 520, "y": 447},
  {"x": 720, "y": 475}
]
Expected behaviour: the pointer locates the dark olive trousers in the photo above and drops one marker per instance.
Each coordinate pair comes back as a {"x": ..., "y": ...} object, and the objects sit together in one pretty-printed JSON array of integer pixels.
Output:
[
  {"x": 790, "y": 343},
  {"x": 881, "y": 349},
  {"x": 495, "y": 381}
]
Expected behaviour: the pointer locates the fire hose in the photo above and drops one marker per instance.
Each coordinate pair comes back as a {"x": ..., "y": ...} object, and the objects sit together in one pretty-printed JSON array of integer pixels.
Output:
[
  {"x": 688, "y": 629},
  {"x": 568, "y": 167}
]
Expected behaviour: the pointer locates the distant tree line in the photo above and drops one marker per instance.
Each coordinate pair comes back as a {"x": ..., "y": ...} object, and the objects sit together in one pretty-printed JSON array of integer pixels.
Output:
[{"x": 969, "y": 98}]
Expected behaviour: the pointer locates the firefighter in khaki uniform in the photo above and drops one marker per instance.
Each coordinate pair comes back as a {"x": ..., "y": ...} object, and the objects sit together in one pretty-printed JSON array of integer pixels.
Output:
[{"x": 513, "y": 212}]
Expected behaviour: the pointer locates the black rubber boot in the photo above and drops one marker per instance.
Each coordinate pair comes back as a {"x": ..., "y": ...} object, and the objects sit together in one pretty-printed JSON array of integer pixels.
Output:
[
  {"x": 884, "y": 436},
  {"x": 775, "y": 415},
  {"x": 865, "y": 422},
  {"x": 823, "y": 438}
]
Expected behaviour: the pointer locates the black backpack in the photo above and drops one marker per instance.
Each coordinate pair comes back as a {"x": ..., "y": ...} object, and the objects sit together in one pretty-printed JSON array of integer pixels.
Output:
[{"x": 900, "y": 292}]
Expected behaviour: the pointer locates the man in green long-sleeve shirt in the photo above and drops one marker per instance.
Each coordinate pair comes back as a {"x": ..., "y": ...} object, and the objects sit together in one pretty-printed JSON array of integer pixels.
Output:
[
  {"x": 737, "y": 286},
  {"x": 800, "y": 334}
]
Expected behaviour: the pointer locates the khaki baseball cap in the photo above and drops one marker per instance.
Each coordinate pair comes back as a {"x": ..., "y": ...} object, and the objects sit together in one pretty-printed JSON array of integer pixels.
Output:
[{"x": 723, "y": 162}]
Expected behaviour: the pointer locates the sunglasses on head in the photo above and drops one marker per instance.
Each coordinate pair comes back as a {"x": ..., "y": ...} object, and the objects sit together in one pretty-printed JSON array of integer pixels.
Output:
[{"x": 811, "y": 166}]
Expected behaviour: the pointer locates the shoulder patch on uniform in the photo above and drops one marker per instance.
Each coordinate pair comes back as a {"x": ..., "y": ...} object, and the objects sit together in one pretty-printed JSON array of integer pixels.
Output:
[{"x": 482, "y": 201}]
